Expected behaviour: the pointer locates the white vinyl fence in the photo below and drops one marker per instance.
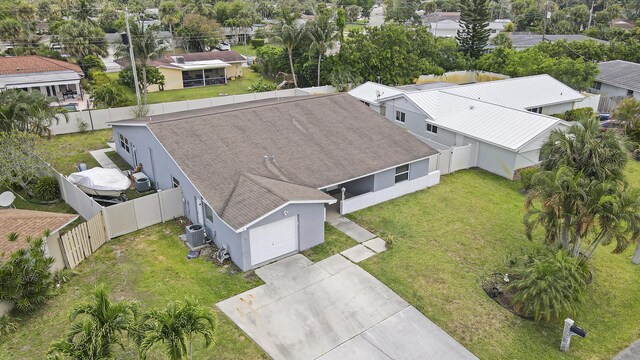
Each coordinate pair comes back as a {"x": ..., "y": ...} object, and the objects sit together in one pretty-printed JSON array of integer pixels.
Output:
[
  {"x": 100, "y": 119},
  {"x": 82, "y": 203}
]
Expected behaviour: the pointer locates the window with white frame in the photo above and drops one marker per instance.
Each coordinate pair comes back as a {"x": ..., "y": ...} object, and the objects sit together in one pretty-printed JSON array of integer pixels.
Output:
[
  {"x": 432, "y": 128},
  {"x": 402, "y": 173},
  {"x": 124, "y": 143},
  {"x": 383, "y": 110},
  {"x": 400, "y": 116},
  {"x": 208, "y": 212},
  {"x": 174, "y": 182}
]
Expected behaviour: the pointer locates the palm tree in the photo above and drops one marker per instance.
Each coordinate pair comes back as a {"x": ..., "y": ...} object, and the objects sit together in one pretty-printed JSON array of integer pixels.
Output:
[
  {"x": 101, "y": 327},
  {"x": 289, "y": 34},
  {"x": 628, "y": 111},
  {"x": 584, "y": 148},
  {"x": 80, "y": 39},
  {"x": 28, "y": 111},
  {"x": 170, "y": 14},
  {"x": 176, "y": 325},
  {"x": 84, "y": 10},
  {"x": 245, "y": 19},
  {"x": 322, "y": 34},
  {"x": 200, "y": 7},
  {"x": 26, "y": 13}
]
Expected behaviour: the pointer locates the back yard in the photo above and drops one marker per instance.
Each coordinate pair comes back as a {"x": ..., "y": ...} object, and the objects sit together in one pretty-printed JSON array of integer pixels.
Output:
[{"x": 446, "y": 238}]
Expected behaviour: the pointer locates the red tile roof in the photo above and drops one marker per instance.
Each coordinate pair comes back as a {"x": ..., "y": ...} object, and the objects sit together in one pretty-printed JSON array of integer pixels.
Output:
[
  {"x": 27, "y": 223},
  {"x": 34, "y": 64}
]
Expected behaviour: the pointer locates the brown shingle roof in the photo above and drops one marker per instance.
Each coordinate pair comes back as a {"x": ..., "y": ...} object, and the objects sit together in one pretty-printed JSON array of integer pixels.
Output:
[
  {"x": 34, "y": 64},
  {"x": 312, "y": 142},
  {"x": 27, "y": 223},
  {"x": 228, "y": 56}
]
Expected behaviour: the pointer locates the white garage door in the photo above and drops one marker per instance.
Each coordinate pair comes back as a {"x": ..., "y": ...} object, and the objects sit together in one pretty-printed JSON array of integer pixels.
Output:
[{"x": 273, "y": 240}]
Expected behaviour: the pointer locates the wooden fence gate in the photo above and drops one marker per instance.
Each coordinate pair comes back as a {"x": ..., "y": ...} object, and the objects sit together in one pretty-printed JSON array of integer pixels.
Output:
[{"x": 83, "y": 240}]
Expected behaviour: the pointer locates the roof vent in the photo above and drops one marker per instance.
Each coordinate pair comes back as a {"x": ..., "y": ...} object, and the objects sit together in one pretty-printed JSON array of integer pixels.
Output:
[{"x": 180, "y": 59}]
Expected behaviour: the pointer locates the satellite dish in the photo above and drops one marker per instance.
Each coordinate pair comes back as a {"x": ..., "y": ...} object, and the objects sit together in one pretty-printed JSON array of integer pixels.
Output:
[{"x": 378, "y": 94}]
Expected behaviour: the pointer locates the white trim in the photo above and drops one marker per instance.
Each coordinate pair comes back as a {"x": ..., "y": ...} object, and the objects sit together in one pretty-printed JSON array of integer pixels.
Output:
[
  {"x": 244, "y": 228},
  {"x": 379, "y": 171}
]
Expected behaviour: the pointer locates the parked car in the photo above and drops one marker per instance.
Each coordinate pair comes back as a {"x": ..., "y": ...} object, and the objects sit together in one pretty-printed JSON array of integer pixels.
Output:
[{"x": 224, "y": 46}]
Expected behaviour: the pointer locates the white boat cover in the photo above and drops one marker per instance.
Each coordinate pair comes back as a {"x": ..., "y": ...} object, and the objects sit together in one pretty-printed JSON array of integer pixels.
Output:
[{"x": 98, "y": 178}]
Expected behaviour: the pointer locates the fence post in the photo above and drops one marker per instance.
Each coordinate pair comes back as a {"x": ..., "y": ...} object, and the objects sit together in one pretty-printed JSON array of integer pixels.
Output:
[{"x": 63, "y": 251}]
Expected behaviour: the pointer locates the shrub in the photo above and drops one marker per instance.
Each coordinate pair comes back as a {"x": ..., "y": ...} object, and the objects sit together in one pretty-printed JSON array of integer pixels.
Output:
[
  {"x": 256, "y": 43},
  {"x": 526, "y": 177},
  {"x": 98, "y": 77},
  {"x": 579, "y": 114},
  {"x": 92, "y": 62},
  {"x": 7, "y": 325},
  {"x": 47, "y": 188},
  {"x": 261, "y": 85},
  {"x": 109, "y": 95},
  {"x": 547, "y": 284}
]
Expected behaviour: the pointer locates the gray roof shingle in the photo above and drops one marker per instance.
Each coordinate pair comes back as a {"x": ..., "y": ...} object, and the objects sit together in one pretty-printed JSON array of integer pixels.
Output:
[
  {"x": 624, "y": 74},
  {"x": 248, "y": 161}
]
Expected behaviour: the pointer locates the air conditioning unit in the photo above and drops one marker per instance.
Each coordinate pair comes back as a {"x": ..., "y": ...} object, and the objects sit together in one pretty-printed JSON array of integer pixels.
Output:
[
  {"x": 195, "y": 235},
  {"x": 180, "y": 59},
  {"x": 141, "y": 182}
]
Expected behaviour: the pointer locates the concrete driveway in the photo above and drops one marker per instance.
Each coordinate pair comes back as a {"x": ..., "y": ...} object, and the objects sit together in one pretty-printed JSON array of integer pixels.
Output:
[{"x": 335, "y": 310}]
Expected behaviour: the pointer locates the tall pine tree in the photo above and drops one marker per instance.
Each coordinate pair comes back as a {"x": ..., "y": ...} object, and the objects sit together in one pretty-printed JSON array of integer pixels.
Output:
[{"x": 474, "y": 20}]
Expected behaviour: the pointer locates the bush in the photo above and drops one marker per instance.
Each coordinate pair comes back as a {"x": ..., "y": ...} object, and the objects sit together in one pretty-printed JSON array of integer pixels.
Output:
[
  {"x": 7, "y": 325},
  {"x": 547, "y": 284},
  {"x": 109, "y": 95},
  {"x": 47, "y": 188},
  {"x": 92, "y": 62},
  {"x": 579, "y": 114},
  {"x": 256, "y": 43},
  {"x": 261, "y": 85},
  {"x": 98, "y": 77},
  {"x": 526, "y": 177}
]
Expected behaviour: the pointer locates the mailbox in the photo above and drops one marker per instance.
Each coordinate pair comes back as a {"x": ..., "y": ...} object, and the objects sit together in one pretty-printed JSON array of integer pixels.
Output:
[{"x": 578, "y": 331}]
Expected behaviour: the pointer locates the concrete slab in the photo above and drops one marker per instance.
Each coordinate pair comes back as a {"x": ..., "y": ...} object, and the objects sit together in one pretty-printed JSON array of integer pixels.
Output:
[
  {"x": 352, "y": 229},
  {"x": 103, "y": 159},
  {"x": 335, "y": 264},
  {"x": 355, "y": 349},
  {"x": 299, "y": 280},
  {"x": 249, "y": 301},
  {"x": 357, "y": 253},
  {"x": 377, "y": 245},
  {"x": 283, "y": 267},
  {"x": 414, "y": 338},
  {"x": 630, "y": 353}
]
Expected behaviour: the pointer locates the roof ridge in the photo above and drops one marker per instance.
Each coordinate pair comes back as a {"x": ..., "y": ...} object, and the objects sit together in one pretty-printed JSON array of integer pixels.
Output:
[
  {"x": 250, "y": 177},
  {"x": 55, "y": 62}
]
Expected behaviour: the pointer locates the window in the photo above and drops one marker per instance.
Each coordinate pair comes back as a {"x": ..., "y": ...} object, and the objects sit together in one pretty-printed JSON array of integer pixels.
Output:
[
  {"x": 124, "y": 143},
  {"x": 402, "y": 173},
  {"x": 597, "y": 85},
  {"x": 432, "y": 128},
  {"x": 383, "y": 110},
  {"x": 400, "y": 116},
  {"x": 174, "y": 182},
  {"x": 208, "y": 213},
  {"x": 537, "y": 110},
  {"x": 629, "y": 92}
]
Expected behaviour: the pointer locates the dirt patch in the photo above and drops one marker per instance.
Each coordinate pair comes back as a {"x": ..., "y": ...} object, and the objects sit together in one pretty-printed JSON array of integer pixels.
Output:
[{"x": 496, "y": 287}]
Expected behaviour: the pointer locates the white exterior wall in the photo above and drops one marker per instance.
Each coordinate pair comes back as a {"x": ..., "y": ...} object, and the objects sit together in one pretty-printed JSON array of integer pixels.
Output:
[
  {"x": 612, "y": 90},
  {"x": 496, "y": 160},
  {"x": 557, "y": 108}
]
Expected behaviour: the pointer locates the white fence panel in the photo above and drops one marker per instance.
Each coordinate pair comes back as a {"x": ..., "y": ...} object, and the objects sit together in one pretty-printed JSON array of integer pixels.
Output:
[
  {"x": 460, "y": 158},
  {"x": 444, "y": 160},
  {"x": 372, "y": 198},
  {"x": 147, "y": 210},
  {"x": 53, "y": 250},
  {"x": 120, "y": 219},
  {"x": 82, "y": 203},
  {"x": 171, "y": 203},
  {"x": 198, "y": 104}
]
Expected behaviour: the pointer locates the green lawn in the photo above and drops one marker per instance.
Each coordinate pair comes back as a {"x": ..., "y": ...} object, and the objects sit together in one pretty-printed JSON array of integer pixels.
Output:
[
  {"x": 121, "y": 163},
  {"x": 633, "y": 173},
  {"x": 148, "y": 266},
  {"x": 250, "y": 51},
  {"x": 447, "y": 237},
  {"x": 65, "y": 152},
  {"x": 335, "y": 241}
]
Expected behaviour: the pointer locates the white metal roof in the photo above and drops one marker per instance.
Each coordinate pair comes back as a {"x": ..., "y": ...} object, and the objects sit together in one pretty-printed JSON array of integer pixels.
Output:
[
  {"x": 499, "y": 125},
  {"x": 520, "y": 93},
  {"x": 39, "y": 79},
  {"x": 201, "y": 65},
  {"x": 371, "y": 92}
]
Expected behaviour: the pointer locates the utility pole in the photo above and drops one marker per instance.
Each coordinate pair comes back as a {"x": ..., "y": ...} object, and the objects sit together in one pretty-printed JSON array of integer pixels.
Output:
[
  {"x": 546, "y": 18},
  {"x": 593, "y": 2},
  {"x": 134, "y": 71}
]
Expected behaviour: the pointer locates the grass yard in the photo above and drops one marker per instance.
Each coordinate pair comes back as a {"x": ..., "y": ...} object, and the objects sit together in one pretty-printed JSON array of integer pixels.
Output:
[
  {"x": 447, "y": 237},
  {"x": 65, "y": 152},
  {"x": 250, "y": 51},
  {"x": 335, "y": 241},
  {"x": 148, "y": 266},
  {"x": 118, "y": 160},
  {"x": 633, "y": 173}
]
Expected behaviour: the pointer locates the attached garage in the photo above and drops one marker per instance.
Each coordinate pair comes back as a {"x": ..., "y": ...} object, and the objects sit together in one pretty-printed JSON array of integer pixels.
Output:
[{"x": 273, "y": 240}]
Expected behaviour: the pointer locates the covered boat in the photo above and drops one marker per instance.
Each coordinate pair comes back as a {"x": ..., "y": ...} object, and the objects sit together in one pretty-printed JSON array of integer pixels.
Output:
[{"x": 101, "y": 182}]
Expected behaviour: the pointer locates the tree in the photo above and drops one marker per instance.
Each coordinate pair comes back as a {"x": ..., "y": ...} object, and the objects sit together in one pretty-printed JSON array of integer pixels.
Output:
[
  {"x": 27, "y": 112},
  {"x": 503, "y": 40},
  {"x": 26, "y": 13},
  {"x": 628, "y": 111},
  {"x": 20, "y": 159},
  {"x": 353, "y": 11},
  {"x": 12, "y": 31},
  {"x": 26, "y": 278},
  {"x": 341, "y": 22},
  {"x": 80, "y": 39},
  {"x": 402, "y": 11},
  {"x": 321, "y": 31},
  {"x": 108, "y": 18},
  {"x": 177, "y": 325},
  {"x": 83, "y": 10},
  {"x": 199, "y": 33},
  {"x": 289, "y": 34},
  {"x": 200, "y": 7},
  {"x": 170, "y": 14},
  {"x": 92, "y": 62},
  {"x": 474, "y": 20},
  {"x": 271, "y": 60},
  {"x": 101, "y": 326},
  {"x": 108, "y": 95},
  {"x": 153, "y": 77}
]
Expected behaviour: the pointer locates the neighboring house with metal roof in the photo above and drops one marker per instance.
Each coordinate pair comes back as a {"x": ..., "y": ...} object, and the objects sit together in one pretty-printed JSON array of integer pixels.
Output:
[
  {"x": 196, "y": 69},
  {"x": 498, "y": 125},
  {"x": 450, "y": 27},
  {"x": 36, "y": 73},
  {"x": 525, "y": 41},
  {"x": 618, "y": 78},
  {"x": 259, "y": 175}
]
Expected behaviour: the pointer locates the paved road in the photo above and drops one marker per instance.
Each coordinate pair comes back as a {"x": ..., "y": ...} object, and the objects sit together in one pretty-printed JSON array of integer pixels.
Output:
[
  {"x": 630, "y": 353},
  {"x": 334, "y": 310},
  {"x": 376, "y": 18}
]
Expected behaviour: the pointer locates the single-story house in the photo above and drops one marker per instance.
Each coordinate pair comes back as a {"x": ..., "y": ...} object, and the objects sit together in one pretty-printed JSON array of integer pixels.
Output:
[
  {"x": 36, "y": 73},
  {"x": 196, "y": 69},
  {"x": 618, "y": 78},
  {"x": 525, "y": 41},
  {"x": 498, "y": 126},
  {"x": 258, "y": 175},
  {"x": 237, "y": 35},
  {"x": 449, "y": 27}
]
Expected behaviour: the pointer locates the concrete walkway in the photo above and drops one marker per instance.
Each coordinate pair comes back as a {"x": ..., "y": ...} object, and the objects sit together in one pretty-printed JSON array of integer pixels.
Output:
[
  {"x": 630, "y": 353},
  {"x": 103, "y": 159},
  {"x": 334, "y": 309},
  {"x": 369, "y": 243}
]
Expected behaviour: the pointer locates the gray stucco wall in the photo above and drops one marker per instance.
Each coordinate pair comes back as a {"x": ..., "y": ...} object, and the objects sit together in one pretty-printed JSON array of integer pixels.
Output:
[
  {"x": 610, "y": 90},
  {"x": 419, "y": 169},
  {"x": 384, "y": 179},
  {"x": 360, "y": 186},
  {"x": 496, "y": 160}
]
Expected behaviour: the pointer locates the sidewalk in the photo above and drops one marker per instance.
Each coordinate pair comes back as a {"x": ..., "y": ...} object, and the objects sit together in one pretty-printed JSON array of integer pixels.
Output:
[
  {"x": 630, "y": 353},
  {"x": 369, "y": 243},
  {"x": 103, "y": 159}
]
